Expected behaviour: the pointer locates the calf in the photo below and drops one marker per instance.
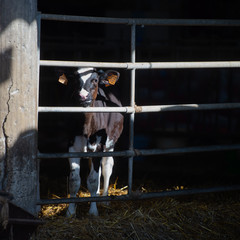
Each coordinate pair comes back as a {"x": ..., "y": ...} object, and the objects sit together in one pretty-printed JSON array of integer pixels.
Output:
[{"x": 99, "y": 131}]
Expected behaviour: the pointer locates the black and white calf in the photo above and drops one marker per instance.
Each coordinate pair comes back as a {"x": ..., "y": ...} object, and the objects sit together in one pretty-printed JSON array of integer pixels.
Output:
[{"x": 99, "y": 131}]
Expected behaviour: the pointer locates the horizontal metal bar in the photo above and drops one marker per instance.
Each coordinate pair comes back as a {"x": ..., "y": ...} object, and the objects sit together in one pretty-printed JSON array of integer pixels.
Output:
[
  {"x": 210, "y": 148},
  {"x": 89, "y": 109},
  {"x": 25, "y": 221},
  {"x": 126, "y": 153},
  {"x": 143, "y": 65},
  {"x": 182, "y": 65},
  {"x": 142, "y": 109},
  {"x": 186, "y": 107},
  {"x": 143, "y": 21},
  {"x": 141, "y": 152},
  {"x": 53, "y": 63},
  {"x": 140, "y": 196}
]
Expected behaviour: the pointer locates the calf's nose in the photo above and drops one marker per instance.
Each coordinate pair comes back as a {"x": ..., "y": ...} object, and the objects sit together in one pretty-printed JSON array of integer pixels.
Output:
[{"x": 83, "y": 94}]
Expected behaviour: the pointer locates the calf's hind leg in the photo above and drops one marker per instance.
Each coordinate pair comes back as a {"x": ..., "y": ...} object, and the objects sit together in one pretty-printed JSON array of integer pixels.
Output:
[
  {"x": 93, "y": 181},
  {"x": 107, "y": 166}
]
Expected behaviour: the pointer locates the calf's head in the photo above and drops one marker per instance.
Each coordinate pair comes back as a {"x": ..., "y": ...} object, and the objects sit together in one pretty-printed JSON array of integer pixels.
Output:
[{"x": 87, "y": 81}]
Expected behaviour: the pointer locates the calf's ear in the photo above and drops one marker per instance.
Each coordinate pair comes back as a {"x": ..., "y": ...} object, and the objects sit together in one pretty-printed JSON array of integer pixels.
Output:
[
  {"x": 109, "y": 77},
  {"x": 63, "y": 79}
]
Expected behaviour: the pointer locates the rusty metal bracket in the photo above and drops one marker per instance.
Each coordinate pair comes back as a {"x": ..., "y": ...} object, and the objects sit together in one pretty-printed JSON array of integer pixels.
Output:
[{"x": 138, "y": 109}]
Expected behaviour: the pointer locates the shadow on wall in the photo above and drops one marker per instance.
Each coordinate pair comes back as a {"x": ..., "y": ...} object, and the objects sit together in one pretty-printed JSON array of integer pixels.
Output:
[
  {"x": 10, "y": 11},
  {"x": 5, "y": 56},
  {"x": 20, "y": 178},
  {"x": 11, "y": 6}
]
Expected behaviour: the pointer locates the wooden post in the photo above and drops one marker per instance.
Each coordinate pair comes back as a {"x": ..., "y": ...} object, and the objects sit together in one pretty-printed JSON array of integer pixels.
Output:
[{"x": 18, "y": 101}]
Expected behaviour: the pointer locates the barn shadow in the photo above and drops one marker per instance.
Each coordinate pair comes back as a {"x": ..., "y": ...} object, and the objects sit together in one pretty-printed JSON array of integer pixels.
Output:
[
  {"x": 5, "y": 57},
  {"x": 19, "y": 186},
  {"x": 7, "y": 17}
]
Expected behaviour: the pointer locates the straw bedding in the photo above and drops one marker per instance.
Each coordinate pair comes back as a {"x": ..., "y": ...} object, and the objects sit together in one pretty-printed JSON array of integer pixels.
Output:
[{"x": 209, "y": 216}]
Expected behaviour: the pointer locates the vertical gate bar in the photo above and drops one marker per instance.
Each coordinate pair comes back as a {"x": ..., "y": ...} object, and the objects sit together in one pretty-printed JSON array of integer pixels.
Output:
[
  {"x": 133, "y": 60},
  {"x": 132, "y": 115},
  {"x": 38, "y": 80}
]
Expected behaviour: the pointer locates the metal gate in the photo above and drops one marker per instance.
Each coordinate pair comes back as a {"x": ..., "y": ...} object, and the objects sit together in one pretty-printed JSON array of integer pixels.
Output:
[{"x": 132, "y": 109}]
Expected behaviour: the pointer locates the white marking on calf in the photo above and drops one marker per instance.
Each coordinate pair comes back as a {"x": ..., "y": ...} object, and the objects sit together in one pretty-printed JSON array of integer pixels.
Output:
[
  {"x": 109, "y": 145},
  {"x": 93, "y": 147},
  {"x": 75, "y": 166},
  {"x": 85, "y": 77}
]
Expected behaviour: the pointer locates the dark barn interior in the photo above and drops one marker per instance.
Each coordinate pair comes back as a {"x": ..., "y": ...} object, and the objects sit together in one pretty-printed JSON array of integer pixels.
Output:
[{"x": 111, "y": 43}]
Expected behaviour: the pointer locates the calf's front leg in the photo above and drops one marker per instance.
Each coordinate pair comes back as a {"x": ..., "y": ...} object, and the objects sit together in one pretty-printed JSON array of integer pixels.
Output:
[
  {"x": 93, "y": 184},
  {"x": 74, "y": 177}
]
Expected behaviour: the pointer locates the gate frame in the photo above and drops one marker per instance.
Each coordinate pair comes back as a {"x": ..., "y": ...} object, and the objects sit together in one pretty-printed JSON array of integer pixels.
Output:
[{"x": 132, "y": 109}]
